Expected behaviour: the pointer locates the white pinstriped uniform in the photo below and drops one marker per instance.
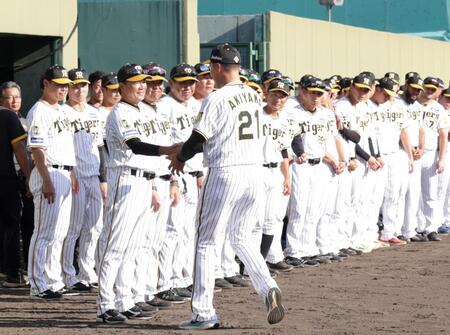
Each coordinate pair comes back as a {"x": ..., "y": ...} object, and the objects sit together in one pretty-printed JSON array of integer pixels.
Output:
[
  {"x": 176, "y": 254},
  {"x": 52, "y": 130},
  {"x": 231, "y": 195},
  {"x": 306, "y": 205},
  {"x": 275, "y": 131},
  {"x": 446, "y": 184},
  {"x": 128, "y": 208},
  {"x": 87, "y": 207},
  {"x": 409, "y": 212},
  {"x": 434, "y": 119}
]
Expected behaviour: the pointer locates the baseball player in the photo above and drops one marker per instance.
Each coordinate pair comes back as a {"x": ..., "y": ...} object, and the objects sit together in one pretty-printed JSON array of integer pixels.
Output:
[
  {"x": 229, "y": 130},
  {"x": 128, "y": 209},
  {"x": 87, "y": 208},
  {"x": 205, "y": 83},
  {"x": 95, "y": 89},
  {"x": 435, "y": 123},
  {"x": 176, "y": 255},
  {"x": 269, "y": 75},
  {"x": 111, "y": 97},
  {"x": 51, "y": 183}
]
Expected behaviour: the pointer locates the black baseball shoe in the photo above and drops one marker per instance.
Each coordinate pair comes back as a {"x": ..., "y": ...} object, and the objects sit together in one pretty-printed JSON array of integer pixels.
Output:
[
  {"x": 136, "y": 312},
  {"x": 434, "y": 237},
  {"x": 49, "y": 294},
  {"x": 183, "y": 292},
  {"x": 159, "y": 303},
  {"x": 15, "y": 282},
  {"x": 281, "y": 266},
  {"x": 419, "y": 237},
  {"x": 112, "y": 316},
  {"x": 68, "y": 291},
  {"x": 81, "y": 287},
  {"x": 172, "y": 296},
  {"x": 275, "y": 308},
  {"x": 147, "y": 307},
  {"x": 238, "y": 281},
  {"x": 222, "y": 283}
]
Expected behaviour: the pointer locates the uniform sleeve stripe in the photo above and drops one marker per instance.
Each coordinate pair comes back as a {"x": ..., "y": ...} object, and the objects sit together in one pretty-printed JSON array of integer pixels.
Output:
[
  {"x": 198, "y": 131},
  {"x": 20, "y": 138}
]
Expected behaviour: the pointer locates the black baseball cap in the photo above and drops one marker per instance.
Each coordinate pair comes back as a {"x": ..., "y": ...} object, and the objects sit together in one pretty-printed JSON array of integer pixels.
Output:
[
  {"x": 202, "y": 68},
  {"x": 413, "y": 79},
  {"x": 279, "y": 85},
  {"x": 411, "y": 74},
  {"x": 387, "y": 84},
  {"x": 110, "y": 81},
  {"x": 394, "y": 76},
  {"x": 78, "y": 76},
  {"x": 254, "y": 76},
  {"x": 183, "y": 72},
  {"x": 131, "y": 72},
  {"x": 225, "y": 54},
  {"x": 313, "y": 84},
  {"x": 269, "y": 75},
  {"x": 304, "y": 78},
  {"x": 57, "y": 74},
  {"x": 345, "y": 83},
  {"x": 288, "y": 81},
  {"x": 432, "y": 82},
  {"x": 363, "y": 80},
  {"x": 369, "y": 75},
  {"x": 155, "y": 71},
  {"x": 446, "y": 92}
]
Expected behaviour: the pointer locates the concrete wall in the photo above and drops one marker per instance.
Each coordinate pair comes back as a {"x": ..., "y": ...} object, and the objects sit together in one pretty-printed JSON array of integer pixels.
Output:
[
  {"x": 298, "y": 46},
  {"x": 191, "y": 37},
  {"x": 44, "y": 18}
]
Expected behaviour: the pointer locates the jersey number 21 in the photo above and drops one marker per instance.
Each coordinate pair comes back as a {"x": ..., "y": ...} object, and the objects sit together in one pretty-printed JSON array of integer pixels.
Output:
[{"x": 245, "y": 125}]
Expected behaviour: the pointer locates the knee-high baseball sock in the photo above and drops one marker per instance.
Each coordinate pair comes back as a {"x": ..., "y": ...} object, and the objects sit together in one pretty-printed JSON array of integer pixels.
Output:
[{"x": 266, "y": 242}]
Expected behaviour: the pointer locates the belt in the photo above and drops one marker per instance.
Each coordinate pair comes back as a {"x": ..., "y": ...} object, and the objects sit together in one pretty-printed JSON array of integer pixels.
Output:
[
  {"x": 195, "y": 173},
  {"x": 271, "y": 165},
  {"x": 314, "y": 161},
  {"x": 63, "y": 167},
  {"x": 142, "y": 174},
  {"x": 165, "y": 177},
  {"x": 351, "y": 158}
]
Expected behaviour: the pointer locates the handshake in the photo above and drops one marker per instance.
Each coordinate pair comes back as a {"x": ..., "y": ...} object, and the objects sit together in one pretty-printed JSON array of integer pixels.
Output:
[{"x": 175, "y": 166}]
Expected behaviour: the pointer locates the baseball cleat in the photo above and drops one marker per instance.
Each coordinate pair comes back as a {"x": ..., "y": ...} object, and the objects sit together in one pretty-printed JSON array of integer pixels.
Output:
[
  {"x": 275, "y": 308},
  {"x": 199, "y": 325},
  {"x": 112, "y": 316}
]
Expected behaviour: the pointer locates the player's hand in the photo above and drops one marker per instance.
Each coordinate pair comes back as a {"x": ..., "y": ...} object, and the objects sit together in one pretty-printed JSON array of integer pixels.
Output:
[
  {"x": 104, "y": 191},
  {"x": 411, "y": 165},
  {"x": 302, "y": 158},
  {"x": 418, "y": 153},
  {"x": 381, "y": 161},
  {"x": 339, "y": 124},
  {"x": 440, "y": 166},
  {"x": 174, "y": 195},
  {"x": 374, "y": 165},
  {"x": 286, "y": 187},
  {"x": 341, "y": 167},
  {"x": 156, "y": 201},
  {"x": 48, "y": 191},
  {"x": 175, "y": 165},
  {"x": 74, "y": 183},
  {"x": 200, "y": 181},
  {"x": 173, "y": 149},
  {"x": 352, "y": 165}
]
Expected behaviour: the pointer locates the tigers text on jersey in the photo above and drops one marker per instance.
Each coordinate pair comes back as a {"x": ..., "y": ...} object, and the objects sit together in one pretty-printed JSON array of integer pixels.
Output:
[
  {"x": 275, "y": 136},
  {"x": 414, "y": 121},
  {"x": 52, "y": 130},
  {"x": 230, "y": 122},
  {"x": 124, "y": 123},
  {"x": 87, "y": 140},
  {"x": 434, "y": 117},
  {"x": 313, "y": 127},
  {"x": 182, "y": 117},
  {"x": 389, "y": 120}
]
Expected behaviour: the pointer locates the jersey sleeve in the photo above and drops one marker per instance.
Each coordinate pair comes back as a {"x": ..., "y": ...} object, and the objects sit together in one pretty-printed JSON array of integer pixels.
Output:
[
  {"x": 206, "y": 123},
  {"x": 124, "y": 125},
  {"x": 16, "y": 132},
  {"x": 38, "y": 129},
  {"x": 444, "y": 121}
]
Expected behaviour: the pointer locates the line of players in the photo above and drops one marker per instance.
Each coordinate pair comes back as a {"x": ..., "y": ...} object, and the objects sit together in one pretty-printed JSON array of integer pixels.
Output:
[{"x": 343, "y": 149}]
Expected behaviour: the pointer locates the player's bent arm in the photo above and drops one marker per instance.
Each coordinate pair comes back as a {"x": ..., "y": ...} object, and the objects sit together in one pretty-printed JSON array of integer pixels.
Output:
[
  {"x": 421, "y": 139},
  {"x": 406, "y": 143},
  {"x": 191, "y": 146},
  {"x": 443, "y": 143},
  {"x": 340, "y": 149},
  {"x": 102, "y": 169},
  {"x": 21, "y": 157},
  {"x": 141, "y": 148},
  {"x": 362, "y": 153},
  {"x": 297, "y": 145},
  {"x": 40, "y": 161},
  {"x": 350, "y": 135}
]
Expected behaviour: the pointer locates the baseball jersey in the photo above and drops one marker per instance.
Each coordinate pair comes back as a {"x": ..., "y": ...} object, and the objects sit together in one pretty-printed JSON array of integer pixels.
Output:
[
  {"x": 275, "y": 133},
  {"x": 230, "y": 122},
  {"x": 124, "y": 123},
  {"x": 434, "y": 117},
  {"x": 312, "y": 126},
  {"x": 87, "y": 140},
  {"x": 102, "y": 116},
  {"x": 182, "y": 117},
  {"x": 332, "y": 133},
  {"x": 344, "y": 111},
  {"x": 414, "y": 121},
  {"x": 53, "y": 130},
  {"x": 389, "y": 120}
]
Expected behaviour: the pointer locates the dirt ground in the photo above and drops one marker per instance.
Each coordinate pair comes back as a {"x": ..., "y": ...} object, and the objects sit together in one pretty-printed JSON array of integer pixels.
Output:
[{"x": 398, "y": 290}]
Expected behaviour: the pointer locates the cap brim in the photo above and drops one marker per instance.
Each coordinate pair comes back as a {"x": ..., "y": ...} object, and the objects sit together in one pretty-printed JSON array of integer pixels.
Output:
[
  {"x": 270, "y": 79},
  {"x": 79, "y": 81},
  {"x": 62, "y": 81},
  {"x": 390, "y": 93},
  {"x": 430, "y": 86},
  {"x": 112, "y": 86},
  {"x": 203, "y": 73},
  {"x": 138, "y": 77},
  {"x": 280, "y": 90},
  {"x": 156, "y": 78},
  {"x": 315, "y": 89},
  {"x": 361, "y": 85},
  {"x": 335, "y": 90},
  {"x": 180, "y": 79},
  {"x": 417, "y": 86},
  {"x": 253, "y": 84},
  {"x": 446, "y": 95}
]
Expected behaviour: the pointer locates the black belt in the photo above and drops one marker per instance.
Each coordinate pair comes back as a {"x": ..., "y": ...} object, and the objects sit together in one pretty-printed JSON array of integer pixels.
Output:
[
  {"x": 143, "y": 174},
  {"x": 165, "y": 177},
  {"x": 196, "y": 173},
  {"x": 271, "y": 165},
  {"x": 63, "y": 167},
  {"x": 314, "y": 161},
  {"x": 351, "y": 158}
]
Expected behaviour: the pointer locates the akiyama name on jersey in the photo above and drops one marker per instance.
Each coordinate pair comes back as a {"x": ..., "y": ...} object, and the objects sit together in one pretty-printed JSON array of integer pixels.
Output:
[
  {"x": 53, "y": 130},
  {"x": 230, "y": 121}
]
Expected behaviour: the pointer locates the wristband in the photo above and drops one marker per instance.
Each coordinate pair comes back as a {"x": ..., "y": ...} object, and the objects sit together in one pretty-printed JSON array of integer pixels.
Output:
[
  {"x": 154, "y": 188},
  {"x": 174, "y": 183}
]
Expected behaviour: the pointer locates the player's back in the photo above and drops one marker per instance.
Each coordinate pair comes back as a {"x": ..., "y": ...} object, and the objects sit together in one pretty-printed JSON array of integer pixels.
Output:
[{"x": 230, "y": 121}]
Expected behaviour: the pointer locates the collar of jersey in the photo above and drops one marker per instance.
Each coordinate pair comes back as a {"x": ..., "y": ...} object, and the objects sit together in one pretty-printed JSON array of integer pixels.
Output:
[{"x": 127, "y": 103}]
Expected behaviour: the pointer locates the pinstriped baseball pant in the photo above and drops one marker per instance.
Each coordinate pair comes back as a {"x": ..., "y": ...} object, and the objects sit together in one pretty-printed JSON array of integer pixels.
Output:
[
  {"x": 50, "y": 229},
  {"x": 230, "y": 196}
]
